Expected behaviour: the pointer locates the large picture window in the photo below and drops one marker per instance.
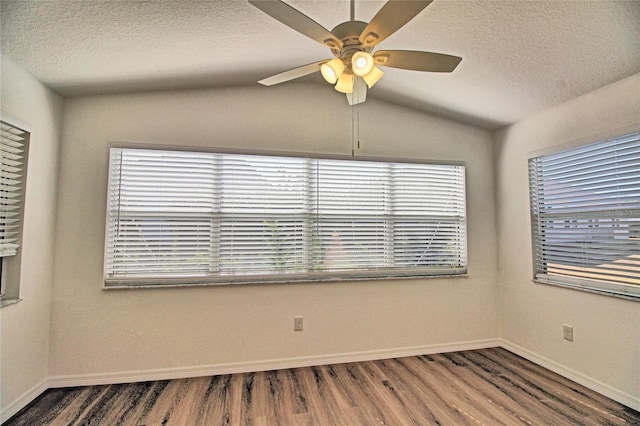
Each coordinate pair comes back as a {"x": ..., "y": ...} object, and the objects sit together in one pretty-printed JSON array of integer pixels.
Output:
[
  {"x": 585, "y": 209},
  {"x": 177, "y": 217}
]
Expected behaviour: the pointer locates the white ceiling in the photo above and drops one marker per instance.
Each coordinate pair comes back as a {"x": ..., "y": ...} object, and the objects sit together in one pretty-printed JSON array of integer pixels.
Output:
[{"x": 519, "y": 56}]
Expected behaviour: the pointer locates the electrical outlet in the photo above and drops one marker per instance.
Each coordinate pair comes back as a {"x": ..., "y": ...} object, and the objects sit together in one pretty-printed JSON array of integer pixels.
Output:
[
  {"x": 297, "y": 323},
  {"x": 567, "y": 332}
]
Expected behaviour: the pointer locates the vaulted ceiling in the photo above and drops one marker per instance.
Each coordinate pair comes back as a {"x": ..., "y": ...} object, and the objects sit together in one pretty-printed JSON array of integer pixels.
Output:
[{"x": 519, "y": 57}]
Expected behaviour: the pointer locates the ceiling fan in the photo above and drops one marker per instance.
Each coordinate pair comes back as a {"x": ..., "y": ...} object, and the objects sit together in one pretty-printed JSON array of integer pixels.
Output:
[{"x": 354, "y": 67}]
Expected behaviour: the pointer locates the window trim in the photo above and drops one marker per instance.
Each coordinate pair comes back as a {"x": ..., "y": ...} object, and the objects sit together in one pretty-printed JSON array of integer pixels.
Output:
[
  {"x": 276, "y": 153},
  {"x": 607, "y": 288},
  {"x": 114, "y": 283}
]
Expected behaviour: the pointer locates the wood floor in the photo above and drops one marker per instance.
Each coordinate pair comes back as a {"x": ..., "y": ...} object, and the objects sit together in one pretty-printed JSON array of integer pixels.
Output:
[{"x": 481, "y": 387}]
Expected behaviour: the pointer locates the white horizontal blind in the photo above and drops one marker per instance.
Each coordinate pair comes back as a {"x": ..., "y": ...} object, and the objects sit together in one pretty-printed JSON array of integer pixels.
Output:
[
  {"x": 586, "y": 215},
  {"x": 350, "y": 215},
  {"x": 429, "y": 206},
  {"x": 186, "y": 217},
  {"x": 13, "y": 151},
  {"x": 160, "y": 218},
  {"x": 263, "y": 215},
  {"x": 409, "y": 218}
]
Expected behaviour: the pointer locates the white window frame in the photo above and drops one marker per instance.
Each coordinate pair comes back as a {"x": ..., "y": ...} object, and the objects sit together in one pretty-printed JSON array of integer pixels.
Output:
[
  {"x": 585, "y": 212},
  {"x": 114, "y": 280},
  {"x": 11, "y": 262}
]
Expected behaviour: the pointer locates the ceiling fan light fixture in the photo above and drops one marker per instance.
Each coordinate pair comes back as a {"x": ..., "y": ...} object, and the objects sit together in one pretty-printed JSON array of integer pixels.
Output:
[
  {"x": 373, "y": 77},
  {"x": 361, "y": 63},
  {"x": 332, "y": 70},
  {"x": 353, "y": 70},
  {"x": 345, "y": 83}
]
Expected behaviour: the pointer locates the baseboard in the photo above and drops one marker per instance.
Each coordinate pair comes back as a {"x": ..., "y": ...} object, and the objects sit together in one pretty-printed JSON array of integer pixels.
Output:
[
  {"x": 589, "y": 382},
  {"x": 23, "y": 400},
  {"x": 276, "y": 364}
]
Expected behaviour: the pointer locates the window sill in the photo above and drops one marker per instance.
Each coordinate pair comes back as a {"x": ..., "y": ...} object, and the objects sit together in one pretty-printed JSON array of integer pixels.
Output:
[
  {"x": 281, "y": 282},
  {"x": 607, "y": 289},
  {"x": 8, "y": 302}
]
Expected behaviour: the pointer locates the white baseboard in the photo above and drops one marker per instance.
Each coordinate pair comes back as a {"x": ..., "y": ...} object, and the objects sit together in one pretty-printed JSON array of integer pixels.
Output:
[
  {"x": 276, "y": 364},
  {"x": 589, "y": 382},
  {"x": 23, "y": 400}
]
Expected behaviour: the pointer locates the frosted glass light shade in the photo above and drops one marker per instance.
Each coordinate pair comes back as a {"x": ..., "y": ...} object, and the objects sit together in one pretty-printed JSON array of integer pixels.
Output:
[
  {"x": 332, "y": 70},
  {"x": 361, "y": 63},
  {"x": 345, "y": 83},
  {"x": 373, "y": 76}
]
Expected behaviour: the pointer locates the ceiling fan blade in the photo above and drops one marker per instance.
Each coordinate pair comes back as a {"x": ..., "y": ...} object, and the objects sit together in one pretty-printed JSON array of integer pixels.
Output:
[
  {"x": 393, "y": 16},
  {"x": 416, "y": 61},
  {"x": 298, "y": 21},
  {"x": 292, "y": 74}
]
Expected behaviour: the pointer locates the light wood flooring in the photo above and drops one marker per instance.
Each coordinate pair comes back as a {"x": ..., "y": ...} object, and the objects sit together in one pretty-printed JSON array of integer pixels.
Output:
[{"x": 481, "y": 387}]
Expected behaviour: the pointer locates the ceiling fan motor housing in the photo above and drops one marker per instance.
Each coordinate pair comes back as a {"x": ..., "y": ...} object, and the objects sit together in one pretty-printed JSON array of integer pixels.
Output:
[{"x": 349, "y": 33}]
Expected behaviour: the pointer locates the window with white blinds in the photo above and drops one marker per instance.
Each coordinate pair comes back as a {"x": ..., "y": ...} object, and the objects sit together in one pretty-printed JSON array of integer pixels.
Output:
[
  {"x": 585, "y": 205},
  {"x": 14, "y": 144},
  {"x": 13, "y": 150},
  {"x": 179, "y": 217}
]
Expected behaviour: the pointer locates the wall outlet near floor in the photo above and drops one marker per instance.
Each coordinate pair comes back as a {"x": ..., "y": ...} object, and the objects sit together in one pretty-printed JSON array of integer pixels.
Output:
[
  {"x": 297, "y": 323},
  {"x": 567, "y": 332}
]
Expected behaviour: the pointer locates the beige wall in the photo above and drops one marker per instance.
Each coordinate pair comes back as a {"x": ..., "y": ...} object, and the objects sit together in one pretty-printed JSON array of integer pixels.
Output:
[
  {"x": 113, "y": 334},
  {"x": 606, "y": 349},
  {"x": 24, "y": 327}
]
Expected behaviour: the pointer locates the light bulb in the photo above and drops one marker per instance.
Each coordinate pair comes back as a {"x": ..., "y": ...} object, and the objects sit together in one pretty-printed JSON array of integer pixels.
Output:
[
  {"x": 362, "y": 63},
  {"x": 332, "y": 70}
]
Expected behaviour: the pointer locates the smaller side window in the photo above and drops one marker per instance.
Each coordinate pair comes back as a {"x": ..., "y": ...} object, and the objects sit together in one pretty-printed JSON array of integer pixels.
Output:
[
  {"x": 585, "y": 214},
  {"x": 14, "y": 147}
]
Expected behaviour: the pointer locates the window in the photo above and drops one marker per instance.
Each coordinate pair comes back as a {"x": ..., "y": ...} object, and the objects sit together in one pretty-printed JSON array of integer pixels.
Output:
[
  {"x": 585, "y": 207},
  {"x": 179, "y": 217},
  {"x": 14, "y": 142}
]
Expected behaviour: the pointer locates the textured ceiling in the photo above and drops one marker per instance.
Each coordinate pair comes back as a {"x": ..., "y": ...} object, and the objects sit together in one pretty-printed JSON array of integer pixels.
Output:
[{"x": 519, "y": 57}]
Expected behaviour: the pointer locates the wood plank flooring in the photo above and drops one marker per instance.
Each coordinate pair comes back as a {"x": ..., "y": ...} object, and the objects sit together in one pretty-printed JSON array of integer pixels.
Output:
[{"x": 481, "y": 387}]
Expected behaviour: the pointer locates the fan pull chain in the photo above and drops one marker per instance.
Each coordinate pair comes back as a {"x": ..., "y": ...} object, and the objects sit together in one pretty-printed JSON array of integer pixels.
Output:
[
  {"x": 358, "y": 127},
  {"x": 352, "y": 132},
  {"x": 355, "y": 129}
]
